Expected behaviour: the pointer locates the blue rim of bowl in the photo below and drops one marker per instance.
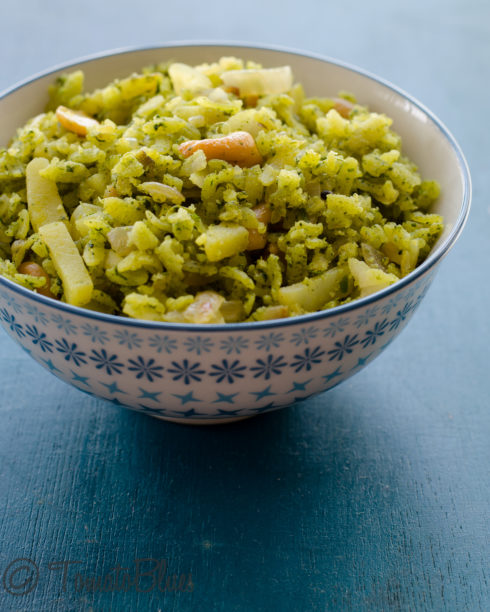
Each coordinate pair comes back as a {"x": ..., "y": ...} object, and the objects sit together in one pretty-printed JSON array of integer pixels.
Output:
[{"x": 424, "y": 267}]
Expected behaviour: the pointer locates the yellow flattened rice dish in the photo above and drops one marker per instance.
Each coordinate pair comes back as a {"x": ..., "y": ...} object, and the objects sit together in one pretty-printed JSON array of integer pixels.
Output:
[{"x": 209, "y": 194}]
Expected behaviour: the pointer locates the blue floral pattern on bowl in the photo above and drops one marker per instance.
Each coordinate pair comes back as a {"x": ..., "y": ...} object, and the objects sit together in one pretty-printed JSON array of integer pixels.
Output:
[{"x": 213, "y": 373}]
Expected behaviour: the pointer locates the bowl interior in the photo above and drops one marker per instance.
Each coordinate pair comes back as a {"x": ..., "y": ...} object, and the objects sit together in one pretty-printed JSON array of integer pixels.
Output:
[{"x": 424, "y": 139}]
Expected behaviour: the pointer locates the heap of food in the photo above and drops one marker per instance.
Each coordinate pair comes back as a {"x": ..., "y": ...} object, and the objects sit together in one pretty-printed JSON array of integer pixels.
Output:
[{"x": 209, "y": 194}]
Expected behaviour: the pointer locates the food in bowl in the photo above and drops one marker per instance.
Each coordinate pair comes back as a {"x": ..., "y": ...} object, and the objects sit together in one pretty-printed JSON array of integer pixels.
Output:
[{"x": 210, "y": 194}]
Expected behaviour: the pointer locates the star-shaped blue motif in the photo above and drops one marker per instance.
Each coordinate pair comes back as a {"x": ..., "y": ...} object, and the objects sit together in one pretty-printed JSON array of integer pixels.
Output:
[
  {"x": 78, "y": 378},
  {"x": 265, "y": 408},
  {"x": 113, "y": 388},
  {"x": 153, "y": 395},
  {"x": 114, "y": 400},
  {"x": 157, "y": 411},
  {"x": 51, "y": 365},
  {"x": 229, "y": 412},
  {"x": 191, "y": 412},
  {"x": 261, "y": 394},
  {"x": 362, "y": 361},
  {"x": 223, "y": 397},
  {"x": 329, "y": 377},
  {"x": 300, "y": 386},
  {"x": 188, "y": 397}
]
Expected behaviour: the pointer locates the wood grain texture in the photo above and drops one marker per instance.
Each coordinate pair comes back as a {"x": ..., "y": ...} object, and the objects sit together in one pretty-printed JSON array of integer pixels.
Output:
[
  {"x": 374, "y": 496},
  {"x": 347, "y": 502}
]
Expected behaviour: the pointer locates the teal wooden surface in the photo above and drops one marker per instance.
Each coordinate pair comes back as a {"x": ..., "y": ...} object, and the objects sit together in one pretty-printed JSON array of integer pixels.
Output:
[{"x": 374, "y": 496}]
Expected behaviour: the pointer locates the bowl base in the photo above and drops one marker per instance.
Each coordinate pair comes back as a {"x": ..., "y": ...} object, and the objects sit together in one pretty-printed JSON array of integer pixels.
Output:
[{"x": 224, "y": 421}]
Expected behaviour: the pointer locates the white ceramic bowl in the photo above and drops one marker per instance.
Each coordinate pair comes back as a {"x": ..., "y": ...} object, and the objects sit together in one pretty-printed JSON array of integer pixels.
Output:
[{"x": 217, "y": 373}]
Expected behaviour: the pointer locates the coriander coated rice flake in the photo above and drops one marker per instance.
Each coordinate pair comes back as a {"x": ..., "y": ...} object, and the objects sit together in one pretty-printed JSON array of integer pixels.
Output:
[{"x": 209, "y": 194}]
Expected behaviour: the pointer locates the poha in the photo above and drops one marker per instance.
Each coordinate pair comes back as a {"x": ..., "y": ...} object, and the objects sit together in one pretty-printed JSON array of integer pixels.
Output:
[{"x": 209, "y": 194}]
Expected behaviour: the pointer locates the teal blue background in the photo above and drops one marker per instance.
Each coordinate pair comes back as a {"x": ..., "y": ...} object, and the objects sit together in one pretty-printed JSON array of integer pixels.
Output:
[{"x": 374, "y": 496}]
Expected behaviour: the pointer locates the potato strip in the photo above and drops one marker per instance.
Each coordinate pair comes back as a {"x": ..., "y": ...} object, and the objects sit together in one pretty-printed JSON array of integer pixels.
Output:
[
  {"x": 77, "y": 284},
  {"x": 43, "y": 200}
]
